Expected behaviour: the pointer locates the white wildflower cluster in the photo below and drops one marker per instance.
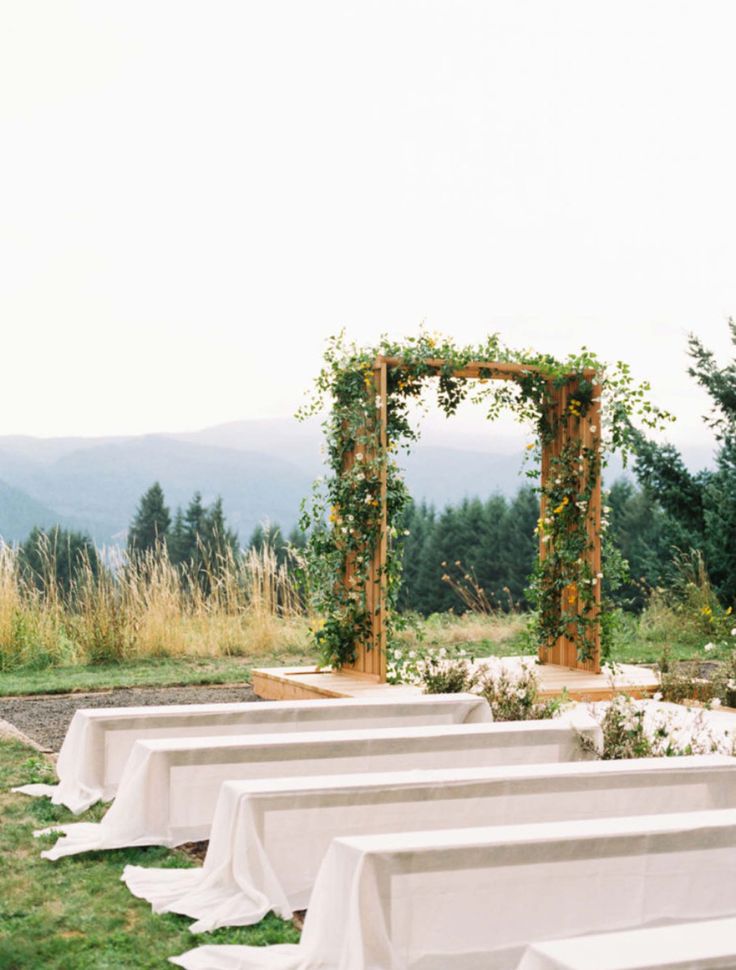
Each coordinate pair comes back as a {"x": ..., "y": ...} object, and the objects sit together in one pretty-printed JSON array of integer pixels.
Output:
[
  {"x": 410, "y": 666},
  {"x": 512, "y": 690},
  {"x": 639, "y": 729}
]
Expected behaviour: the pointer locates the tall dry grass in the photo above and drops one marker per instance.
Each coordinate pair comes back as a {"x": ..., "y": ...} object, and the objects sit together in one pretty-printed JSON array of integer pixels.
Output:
[{"x": 248, "y": 605}]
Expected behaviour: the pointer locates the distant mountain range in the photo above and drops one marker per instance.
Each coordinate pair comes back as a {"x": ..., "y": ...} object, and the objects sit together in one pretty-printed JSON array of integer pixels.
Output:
[{"x": 262, "y": 469}]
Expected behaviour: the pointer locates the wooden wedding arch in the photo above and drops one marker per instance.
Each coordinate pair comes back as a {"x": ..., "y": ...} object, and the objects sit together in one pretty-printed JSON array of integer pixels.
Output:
[{"x": 371, "y": 654}]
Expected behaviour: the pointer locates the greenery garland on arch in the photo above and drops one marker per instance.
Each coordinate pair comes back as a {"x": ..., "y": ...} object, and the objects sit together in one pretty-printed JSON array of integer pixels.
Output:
[{"x": 344, "y": 516}]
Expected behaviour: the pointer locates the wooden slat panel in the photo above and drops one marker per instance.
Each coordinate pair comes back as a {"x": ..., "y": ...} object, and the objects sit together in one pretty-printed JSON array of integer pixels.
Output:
[
  {"x": 380, "y": 638},
  {"x": 564, "y": 652}
]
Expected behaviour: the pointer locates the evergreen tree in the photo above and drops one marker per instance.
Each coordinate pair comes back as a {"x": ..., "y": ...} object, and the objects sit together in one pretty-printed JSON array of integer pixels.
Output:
[
  {"x": 518, "y": 544},
  {"x": 202, "y": 542},
  {"x": 416, "y": 526},
  {"x": 149, "y": 529},
  {"x": 55, "y": 558},
  {"x": 702, "y": 504},
  {"x": 218, "y": 541},
  {"x": 647, "y": 537},
  {"x": 178, "y": 540},
  {"x": 194, "y": 522},
  {"x": 487, "y": 562}
]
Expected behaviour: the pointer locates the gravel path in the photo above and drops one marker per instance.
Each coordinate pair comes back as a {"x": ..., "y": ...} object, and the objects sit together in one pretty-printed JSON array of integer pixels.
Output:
[{"x": 46, "y": 718}]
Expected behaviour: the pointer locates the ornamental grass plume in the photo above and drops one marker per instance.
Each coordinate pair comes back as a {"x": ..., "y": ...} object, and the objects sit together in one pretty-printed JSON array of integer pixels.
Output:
[{"x": 147, "y": 607}]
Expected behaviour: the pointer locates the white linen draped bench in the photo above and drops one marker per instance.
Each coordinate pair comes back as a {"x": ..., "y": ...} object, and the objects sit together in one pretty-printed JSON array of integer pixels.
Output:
[
  {"x": 474, "y": 899},
  {"x": 99, "y": 740},
  {"x": 269, "y": 837},
  {"x": 169, "y": 788},
  {"x": 705, "y": 945}
]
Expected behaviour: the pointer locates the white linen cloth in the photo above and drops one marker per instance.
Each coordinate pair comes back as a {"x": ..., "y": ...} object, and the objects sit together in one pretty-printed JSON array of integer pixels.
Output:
[
  {"x": 473, "y": 899},
  {"x": 169, "y": 788},
  {"x": 706, "y": 945},
  {"x": 269, "y": 837},
  {"x": 99, "y": 740}
]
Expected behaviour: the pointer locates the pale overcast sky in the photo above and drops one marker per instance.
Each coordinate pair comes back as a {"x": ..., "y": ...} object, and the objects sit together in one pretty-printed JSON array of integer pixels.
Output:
[{"x": 196, "y": 193}]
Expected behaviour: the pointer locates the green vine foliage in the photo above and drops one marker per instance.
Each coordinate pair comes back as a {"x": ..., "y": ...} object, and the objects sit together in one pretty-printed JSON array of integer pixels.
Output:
[{"x": 344, "y": 515}]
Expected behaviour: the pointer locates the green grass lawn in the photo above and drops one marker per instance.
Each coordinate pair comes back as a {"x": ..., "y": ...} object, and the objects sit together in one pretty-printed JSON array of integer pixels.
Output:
[
  {"x": 75, "y": 914},
  {"x": 636, "y": 640},
  {"x": 165, "y": 672}
]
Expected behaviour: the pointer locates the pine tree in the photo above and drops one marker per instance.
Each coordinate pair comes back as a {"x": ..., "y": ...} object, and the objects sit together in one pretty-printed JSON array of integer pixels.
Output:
[
  {"x": 703, "y": 504},
  {"x": 149, "y": 529},
  {"x": 194, "y": 519},
  {"x": 178, "y": 541},
  {"x": 518, "y": 544},
  {"x": 217, "y": 539},
  {"x": 54, "y": 558}
]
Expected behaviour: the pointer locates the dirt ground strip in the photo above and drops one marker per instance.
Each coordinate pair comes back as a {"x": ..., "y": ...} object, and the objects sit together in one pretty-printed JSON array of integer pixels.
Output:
[{"x": 46, "y": 718}]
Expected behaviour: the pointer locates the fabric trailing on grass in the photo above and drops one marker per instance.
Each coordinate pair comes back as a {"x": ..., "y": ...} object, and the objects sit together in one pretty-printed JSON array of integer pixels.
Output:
[
  {"x": 269, "y": 837},
  {"x": 99, "y": 741},
  {"x": 461, "y": 898},
  {"x": 168, "y": 791}
]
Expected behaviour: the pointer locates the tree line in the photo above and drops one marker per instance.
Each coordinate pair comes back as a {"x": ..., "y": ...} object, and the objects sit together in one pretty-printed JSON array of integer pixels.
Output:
[{"x": 481, "y": 552}]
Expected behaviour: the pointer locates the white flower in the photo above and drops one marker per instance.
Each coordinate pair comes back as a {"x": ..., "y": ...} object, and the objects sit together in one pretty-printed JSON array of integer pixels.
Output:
[
  {"x": 716, "y": 702},
  {"x": 657, "y": 696},
  {"x": 599, "y": 575},
  {"x": 708, "y": 647},
  {"x": 378, "y": 401},
  {"x": 359, "y": 456},
  {"x": 593, "y": 428},
  {"x": 733, "y": 632},
  {"x": 412, "y": 654}
]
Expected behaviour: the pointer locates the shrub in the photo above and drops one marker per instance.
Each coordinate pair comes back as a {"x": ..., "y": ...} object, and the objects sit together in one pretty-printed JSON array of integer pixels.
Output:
[
  {"x": 513, "y": 692},
  {"x": 642, "y": 729}
]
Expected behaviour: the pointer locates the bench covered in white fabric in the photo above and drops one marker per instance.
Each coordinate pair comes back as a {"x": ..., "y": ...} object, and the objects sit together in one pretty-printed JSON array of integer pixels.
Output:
[
  {"x": 706, "y": 945},
  {"x": 269, "y": 837},
  {"x": 99, "y": 740},
  {"x": 169, "y": 788},
  {"x": 474, "y": 899}
]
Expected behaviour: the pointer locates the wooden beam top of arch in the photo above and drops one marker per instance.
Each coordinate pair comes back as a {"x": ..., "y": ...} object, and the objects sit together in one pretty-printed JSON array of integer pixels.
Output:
[{"x": 477, "y": 369}]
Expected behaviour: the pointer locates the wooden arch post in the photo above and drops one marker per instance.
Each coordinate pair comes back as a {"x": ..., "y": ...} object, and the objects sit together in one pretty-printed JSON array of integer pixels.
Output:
[{"x": 583, "y": 435}]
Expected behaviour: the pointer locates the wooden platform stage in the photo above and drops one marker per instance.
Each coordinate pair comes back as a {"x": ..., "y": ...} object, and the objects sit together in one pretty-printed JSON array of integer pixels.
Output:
[{"x": 311, "y": 683}]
